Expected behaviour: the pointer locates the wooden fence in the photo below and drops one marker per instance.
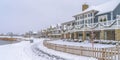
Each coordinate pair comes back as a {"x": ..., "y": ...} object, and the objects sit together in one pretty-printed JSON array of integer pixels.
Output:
[{"x": 112, "y": 53}]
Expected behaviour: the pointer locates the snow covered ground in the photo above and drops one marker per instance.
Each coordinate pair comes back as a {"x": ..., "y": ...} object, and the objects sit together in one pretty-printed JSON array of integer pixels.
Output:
[
  {"x": 85, "y": 44},
  {"x": 63, "y": 55},
  {"x": 14, "y": 51},
  {"x": 24, "y": 51}
]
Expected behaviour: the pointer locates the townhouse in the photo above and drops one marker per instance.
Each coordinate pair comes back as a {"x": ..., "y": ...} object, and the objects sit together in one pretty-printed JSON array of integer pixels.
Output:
[
  {"x": 102, "y": 20},
  {"x": 54, "y": 31}
]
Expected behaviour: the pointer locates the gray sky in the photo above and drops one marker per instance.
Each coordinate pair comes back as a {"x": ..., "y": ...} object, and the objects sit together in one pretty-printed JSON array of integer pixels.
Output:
[{"x": 20, "y": 16}]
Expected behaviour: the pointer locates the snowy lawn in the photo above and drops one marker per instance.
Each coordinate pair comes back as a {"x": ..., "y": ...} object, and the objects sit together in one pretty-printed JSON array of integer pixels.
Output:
[{"x": 84, "y": 44}]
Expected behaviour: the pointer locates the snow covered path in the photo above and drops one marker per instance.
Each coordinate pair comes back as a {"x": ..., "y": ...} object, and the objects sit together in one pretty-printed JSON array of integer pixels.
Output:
[
  {"x": 23, "y": 51},
  {"x": 19, "y": 51},
  {"x": 66, "y": 56}
]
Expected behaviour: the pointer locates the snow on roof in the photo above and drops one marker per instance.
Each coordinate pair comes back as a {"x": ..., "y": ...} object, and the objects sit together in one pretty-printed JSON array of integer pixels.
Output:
[
  {"x": 34, "y": 32},
  {"x": 55, "y": 25},
  {"x": 68, "y": 22},
  {"x": 103, "y": 8},
  {"x": 107, "y": 7}
]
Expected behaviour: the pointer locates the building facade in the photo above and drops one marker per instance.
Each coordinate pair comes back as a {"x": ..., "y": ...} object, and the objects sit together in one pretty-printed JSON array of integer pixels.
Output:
[
  {"x": 102, "y": 20},
  {"x": 54, "y": 31}
]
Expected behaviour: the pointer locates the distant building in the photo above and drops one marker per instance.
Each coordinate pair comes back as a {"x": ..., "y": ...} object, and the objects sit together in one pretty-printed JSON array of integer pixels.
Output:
[
  {"x": 43, "y": 33},
  {"x": 54, "y": 31}
]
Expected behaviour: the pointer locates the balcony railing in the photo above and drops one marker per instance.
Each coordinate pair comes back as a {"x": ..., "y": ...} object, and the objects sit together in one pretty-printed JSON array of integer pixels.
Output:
[
  {"x": 79, "y": 26},
  {"x": 70, "y": 27},
  {"x": 105, "y": 24}
]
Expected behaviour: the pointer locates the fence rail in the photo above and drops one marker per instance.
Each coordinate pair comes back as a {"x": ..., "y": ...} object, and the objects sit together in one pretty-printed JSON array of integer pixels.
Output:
[{"x": 111, "y": 53}]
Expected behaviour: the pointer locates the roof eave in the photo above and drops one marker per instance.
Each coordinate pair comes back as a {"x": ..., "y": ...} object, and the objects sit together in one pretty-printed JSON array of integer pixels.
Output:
[{"x": 84, "y": 13}]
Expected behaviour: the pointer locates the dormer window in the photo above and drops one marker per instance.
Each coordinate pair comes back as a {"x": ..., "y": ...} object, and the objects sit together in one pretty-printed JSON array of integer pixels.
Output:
[{"x": 102, "y": 18}]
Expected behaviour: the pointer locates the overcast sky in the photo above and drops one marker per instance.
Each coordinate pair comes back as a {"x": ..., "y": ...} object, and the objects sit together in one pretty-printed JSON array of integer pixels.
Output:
[{"x": 20, "y": 16}]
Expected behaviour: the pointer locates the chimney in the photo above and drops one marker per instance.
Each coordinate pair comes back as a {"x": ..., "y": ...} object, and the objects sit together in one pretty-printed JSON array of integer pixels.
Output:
[{"x": 84, "y": 7}]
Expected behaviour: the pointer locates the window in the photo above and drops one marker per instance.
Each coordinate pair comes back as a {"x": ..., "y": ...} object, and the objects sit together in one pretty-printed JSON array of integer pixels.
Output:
[
  {"x": 85, "y": 16},
  {"x": 87, "y": 34},
  {"x": 102, "y": 18},
  {"x": 91, "y": 14},
  {"x": 75, "y": 18},
  {"x": 82, "y": 21},
  {"x": 75, "y": 23},
  {"x": 85, "y": 21},
  {"x": 78, "y": 18},
  {"x": 81, "y": 17},
  {"x": 89, "y": 21},
  {"x": 80, "y": 34}
]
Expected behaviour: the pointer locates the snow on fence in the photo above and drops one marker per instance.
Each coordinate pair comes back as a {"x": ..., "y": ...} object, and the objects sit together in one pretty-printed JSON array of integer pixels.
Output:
[{"x": 110, "y": 53}]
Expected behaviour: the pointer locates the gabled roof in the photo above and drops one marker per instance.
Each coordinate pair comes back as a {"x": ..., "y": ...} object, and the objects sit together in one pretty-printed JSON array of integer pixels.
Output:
[
  {"x": 104, "y": 8},
  {"x": 107, "y": 7}
]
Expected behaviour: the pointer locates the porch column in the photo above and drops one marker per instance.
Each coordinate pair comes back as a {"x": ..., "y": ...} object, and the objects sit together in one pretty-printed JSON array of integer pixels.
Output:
[
  {"x": 117, "y": 34},
  {"x": 102, "y": 35},
  {"x": 75, "y": 35},
  {"x": 70, "y": 35},
  {"x": 67, "y": 36},
  {"x": 84, "y": 36},
  {"x": 64, "y": 36}
]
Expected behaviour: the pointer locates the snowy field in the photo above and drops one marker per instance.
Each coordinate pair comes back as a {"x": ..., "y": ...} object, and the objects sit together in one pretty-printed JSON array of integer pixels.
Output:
[
  {"x": 26, "y": 51},
  {"x": 84, "y": 44}
]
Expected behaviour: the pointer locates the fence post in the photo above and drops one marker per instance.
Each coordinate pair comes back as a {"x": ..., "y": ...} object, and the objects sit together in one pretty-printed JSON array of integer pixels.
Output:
[
  {"x": 54, "y": 46},
  {"x": 65, "y": 47},
  {"x": 81, "y": 48},
  {"x": 103, "y": 54},
  {"x": 118, "y": 48}
]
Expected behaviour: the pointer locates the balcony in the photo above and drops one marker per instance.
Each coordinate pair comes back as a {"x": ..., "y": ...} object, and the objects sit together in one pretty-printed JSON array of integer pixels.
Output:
[
  {"x": 70, "y": 27},
  {"x": 79, "y": 26},
  {"x": 108, "y": 23},
  {"x": 111, "y": 24}
]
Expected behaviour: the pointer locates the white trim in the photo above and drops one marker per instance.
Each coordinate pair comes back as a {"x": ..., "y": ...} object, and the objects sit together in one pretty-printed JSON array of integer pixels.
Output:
[{"x": 111, "y": 15}]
